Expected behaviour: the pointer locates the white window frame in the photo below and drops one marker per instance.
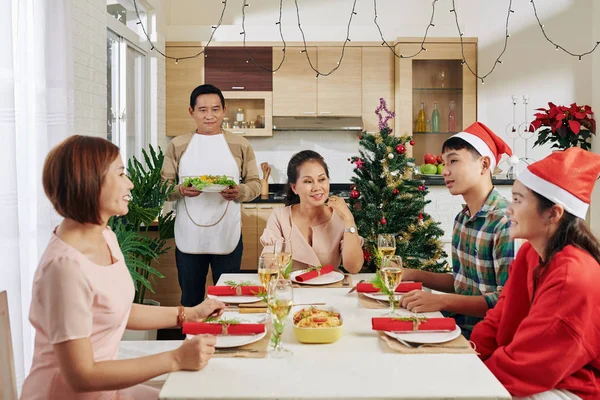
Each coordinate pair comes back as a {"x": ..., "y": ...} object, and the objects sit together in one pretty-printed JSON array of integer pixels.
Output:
[{"x": 137, "y": 41}]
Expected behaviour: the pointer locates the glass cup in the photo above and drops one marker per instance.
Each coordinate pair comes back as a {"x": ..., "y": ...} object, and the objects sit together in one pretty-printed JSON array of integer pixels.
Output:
[
  {"x": 386, "y": 244},
  {"x": 280, "y": 302},
  {"x": 391, "y": 274},
  {"x": 267, "y": 269},
  {"x": 283, "y": 256}
]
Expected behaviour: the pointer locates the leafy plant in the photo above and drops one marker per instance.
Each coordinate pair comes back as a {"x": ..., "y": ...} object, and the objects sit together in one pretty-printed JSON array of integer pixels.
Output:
[
  {"x": 148, "y": 198},
  {"x": 564, "y": 126}
]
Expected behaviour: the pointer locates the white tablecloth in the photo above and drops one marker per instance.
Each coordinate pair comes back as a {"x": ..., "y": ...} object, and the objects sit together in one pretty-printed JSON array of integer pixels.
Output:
[{"x": 358, "y": 366}]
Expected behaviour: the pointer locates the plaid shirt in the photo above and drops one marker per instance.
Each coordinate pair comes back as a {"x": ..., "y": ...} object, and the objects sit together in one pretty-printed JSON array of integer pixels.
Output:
[{"x": 481, "y": 254}]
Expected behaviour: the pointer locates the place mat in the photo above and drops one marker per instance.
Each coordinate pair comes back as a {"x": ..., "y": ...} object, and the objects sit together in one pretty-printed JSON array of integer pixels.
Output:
[
  {"x": 368, "y": 302},
  {"x": 460, "y": 345},
  {"x": 339, "y": 284},
  {"x": 252, "y": 350}
]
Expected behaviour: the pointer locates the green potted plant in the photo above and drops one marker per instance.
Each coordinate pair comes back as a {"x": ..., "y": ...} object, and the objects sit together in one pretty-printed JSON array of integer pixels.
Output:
[{"x": 148, "y": 197}]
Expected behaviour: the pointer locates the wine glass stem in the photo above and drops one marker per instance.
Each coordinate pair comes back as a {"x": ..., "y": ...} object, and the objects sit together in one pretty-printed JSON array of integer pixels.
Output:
[{"x": 392, "y": 304}]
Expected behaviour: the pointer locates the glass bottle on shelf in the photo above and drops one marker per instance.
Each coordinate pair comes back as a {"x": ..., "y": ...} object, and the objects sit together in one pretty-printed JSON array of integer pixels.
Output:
[
  {"x": 452, "y": 118},
  {"x": 225, "y": 123},
  {"x": 435, "y": 118},
  {"x": 240, "y": 115},
  {"x": 421, "y": 119}
]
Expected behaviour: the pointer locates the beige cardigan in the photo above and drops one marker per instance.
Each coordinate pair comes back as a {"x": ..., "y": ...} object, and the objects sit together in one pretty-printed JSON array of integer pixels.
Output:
[
  {"x": 327, "y": 240},
  {"x": 242, "y": 153}
]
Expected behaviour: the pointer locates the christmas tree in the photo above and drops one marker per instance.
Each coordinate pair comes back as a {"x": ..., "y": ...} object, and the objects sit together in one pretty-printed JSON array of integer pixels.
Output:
[{"x": 384, "y": 198}]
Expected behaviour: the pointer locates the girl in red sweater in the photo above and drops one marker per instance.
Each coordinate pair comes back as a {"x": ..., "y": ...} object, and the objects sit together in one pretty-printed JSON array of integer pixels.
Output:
[{"x": 542, "y": 339}]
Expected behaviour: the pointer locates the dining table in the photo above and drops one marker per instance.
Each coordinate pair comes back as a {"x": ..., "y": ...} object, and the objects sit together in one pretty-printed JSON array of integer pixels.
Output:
[{"x": 360, "y": 365}]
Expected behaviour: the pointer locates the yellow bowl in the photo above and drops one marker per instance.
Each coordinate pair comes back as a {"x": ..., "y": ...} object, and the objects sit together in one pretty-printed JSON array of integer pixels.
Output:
[{"x": 318, "y": 335}]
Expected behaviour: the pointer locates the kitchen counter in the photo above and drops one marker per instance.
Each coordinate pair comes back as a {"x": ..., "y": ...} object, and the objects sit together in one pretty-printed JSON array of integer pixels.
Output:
[{"x": 438, "y": 180}]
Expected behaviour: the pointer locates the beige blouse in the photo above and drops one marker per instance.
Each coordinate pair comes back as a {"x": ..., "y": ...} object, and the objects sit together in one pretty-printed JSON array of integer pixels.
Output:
[{"x": 327, "y": 239}]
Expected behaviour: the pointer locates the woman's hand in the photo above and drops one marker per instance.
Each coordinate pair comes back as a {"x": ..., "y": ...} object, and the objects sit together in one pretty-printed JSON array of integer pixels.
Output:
[
  {"x": 339, "y": 205},
  {"x": 208, "y": 307},
  {"x": 194, "y": 354}
]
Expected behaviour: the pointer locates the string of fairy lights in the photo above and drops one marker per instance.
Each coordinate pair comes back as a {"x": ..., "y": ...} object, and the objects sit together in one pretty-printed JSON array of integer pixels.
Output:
[{"x": 353, "y": 13}]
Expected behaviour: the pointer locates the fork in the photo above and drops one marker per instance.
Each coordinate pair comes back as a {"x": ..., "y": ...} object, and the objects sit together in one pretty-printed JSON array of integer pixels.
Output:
[
  {"x": 419, "y": 345},
  {"x": 354, "y": 288}
]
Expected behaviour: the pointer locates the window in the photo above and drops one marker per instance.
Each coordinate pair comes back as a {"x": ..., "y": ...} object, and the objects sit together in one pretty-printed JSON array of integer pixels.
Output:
[{"x": 128, "y": 102}]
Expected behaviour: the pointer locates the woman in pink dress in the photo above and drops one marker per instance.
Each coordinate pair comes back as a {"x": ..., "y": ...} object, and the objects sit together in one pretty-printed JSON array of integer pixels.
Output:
[
  {"x": 83, "y": 293},
  {"x": 321, "y": 228}
]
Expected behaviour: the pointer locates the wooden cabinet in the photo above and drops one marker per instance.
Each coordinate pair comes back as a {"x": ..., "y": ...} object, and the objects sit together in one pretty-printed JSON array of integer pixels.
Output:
[
  {"x": 298, "y": 92},
  {"x": 435, "y": 76},
  {"x": 257, "y": 109},
  {"x": 230, "y": 68},
  {"x": 341, "y": 92},
  {"x": 182, "y": 78},
  {"x": 377, "y": 82},
  {"x": 294, "y": 85},
  {"x": 254, "y": 221}
]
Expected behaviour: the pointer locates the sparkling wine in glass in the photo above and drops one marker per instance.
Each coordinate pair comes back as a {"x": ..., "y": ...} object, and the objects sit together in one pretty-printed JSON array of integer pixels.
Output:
[
  {"x": 283, "y": 256},
  {"x": 386, "y": 244},
  {"x": 267, "y": 269},
  {"x": 391, "y": 274},
  {"x": 280, "y": 301}
]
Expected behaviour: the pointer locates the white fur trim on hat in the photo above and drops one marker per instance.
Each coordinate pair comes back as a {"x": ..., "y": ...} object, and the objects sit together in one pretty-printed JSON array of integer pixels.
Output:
[
  {"x": 554, "y": 193},
  {"x": 479, "y": 145}
]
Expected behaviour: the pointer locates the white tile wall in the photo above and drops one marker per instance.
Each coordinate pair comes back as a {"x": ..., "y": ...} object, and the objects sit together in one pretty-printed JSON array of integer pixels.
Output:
[{"x": 89, "y": 54}]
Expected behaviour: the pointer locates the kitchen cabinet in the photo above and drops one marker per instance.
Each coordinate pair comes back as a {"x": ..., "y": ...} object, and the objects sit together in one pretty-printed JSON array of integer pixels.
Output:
[
  {"x": 230, "y": 68},
  {"x": 436, "y": 75},
  {"x": 182, "y": 77},
  {"x": 257, "y": 111},
  {"x": 254, "y": 221},
  {"x": 298, "y": 92},
  {"x": 377, "y": 82},
  {"x": 294, "y": 84}
]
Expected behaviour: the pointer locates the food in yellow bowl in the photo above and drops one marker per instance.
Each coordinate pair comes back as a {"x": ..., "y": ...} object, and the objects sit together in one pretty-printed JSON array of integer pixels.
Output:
[{"x": 321, "y": 324}]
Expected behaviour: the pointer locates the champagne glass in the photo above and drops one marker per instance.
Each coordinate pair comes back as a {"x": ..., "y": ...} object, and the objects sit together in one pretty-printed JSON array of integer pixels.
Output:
[
  {"x": 268, "y": 269},
  {"x": 386, "y": 244},
  {"x": 391, "y": 274},
  {"x": 283, "y": 256},
  {"x": 280, "y": 301}
]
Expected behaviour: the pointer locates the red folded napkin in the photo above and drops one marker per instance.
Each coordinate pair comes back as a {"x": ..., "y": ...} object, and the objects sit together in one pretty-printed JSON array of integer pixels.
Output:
[
  {"x": 313, "y": 274},
  {"x": 403, "y": 287},
  {"x": 234, "y": 290},
  {"x": 199, "y": 328},
  {"x": 396, "y": 325}
]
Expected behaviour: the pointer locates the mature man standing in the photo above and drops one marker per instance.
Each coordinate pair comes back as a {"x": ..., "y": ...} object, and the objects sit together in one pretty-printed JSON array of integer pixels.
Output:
[{"x": 208, "y": 225}]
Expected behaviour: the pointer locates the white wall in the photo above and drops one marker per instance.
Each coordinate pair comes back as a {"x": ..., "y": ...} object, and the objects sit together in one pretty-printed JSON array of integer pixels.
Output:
[
  {"x": 531, "y": 66},
  {"x": 89, "y": 55}
]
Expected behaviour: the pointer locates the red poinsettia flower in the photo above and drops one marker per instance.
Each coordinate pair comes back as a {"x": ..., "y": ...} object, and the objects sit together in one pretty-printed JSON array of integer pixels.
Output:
[{"x": 564, "y": 126}]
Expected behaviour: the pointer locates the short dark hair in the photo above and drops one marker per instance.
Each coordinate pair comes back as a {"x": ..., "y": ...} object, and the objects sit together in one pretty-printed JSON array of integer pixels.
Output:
[
  {"x": 295, "y": 163},
  {"x": 205, "y": 89},
  {"x": 73, "y": 175},
  {"x": 456, "y": 143}
]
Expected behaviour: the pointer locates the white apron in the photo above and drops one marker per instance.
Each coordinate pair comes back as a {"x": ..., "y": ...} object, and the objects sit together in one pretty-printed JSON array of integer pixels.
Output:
[{"x": 207, "y": 224}]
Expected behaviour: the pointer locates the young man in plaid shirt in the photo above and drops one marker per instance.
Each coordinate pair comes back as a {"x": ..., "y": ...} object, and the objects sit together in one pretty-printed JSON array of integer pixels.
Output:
[{"x": 481, "y": 247}]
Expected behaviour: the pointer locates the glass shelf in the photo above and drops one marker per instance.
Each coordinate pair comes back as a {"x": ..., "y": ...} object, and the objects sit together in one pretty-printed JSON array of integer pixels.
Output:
[{"x": 437, "y": 89}]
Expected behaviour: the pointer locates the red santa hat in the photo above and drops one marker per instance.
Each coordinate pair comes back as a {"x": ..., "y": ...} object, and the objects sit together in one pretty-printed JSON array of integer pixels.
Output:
[
  {"x": 565, "y": 177},
  {"x": 485, "y": 142}
]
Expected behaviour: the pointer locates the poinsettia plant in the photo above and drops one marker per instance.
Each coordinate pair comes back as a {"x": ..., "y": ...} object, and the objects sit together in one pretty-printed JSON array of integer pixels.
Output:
[{"x": 564, "y": 126}]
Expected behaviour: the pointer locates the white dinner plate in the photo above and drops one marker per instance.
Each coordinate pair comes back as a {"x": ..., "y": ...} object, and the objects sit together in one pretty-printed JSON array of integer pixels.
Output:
[
  {"x": 423, "y": 337},
  {"x": 225, "y": 341},
  {"x": 383, "y": 297},
  {"x": 214, "y": 188},
  {"x": 235, "y": 299},
  {"x": 331, "y": 277}
]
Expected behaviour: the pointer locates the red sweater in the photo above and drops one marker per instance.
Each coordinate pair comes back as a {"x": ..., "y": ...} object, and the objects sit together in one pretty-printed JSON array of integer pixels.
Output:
[{"x": 553, "y": 342}]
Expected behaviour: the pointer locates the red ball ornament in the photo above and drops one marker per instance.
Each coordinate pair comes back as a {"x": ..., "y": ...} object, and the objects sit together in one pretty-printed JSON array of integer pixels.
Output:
[
  {"x": 412, "y": 142},
  {"x": 383, "y": 221},
  {"x": 354, "y": 194},
  {"x": 400, "y": 149},
  {"x": 360, "y": 137},
  {"x": 396, "y": 191},
  {"x": 349, "y": 160}
]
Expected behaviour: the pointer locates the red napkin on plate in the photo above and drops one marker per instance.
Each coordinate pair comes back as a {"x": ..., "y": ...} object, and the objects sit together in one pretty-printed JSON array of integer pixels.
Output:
[
  {"x": 396, "y": 325},
  {"x": 234, "y": 290},
  {"x": 403, "y": 287},
  {"x": 313, "y": 274},
  {"x": 199, "y": 328}
]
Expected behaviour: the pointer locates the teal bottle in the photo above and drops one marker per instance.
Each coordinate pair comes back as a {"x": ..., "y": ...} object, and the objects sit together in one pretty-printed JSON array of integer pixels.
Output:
[{"x": 435, "y": 118}]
